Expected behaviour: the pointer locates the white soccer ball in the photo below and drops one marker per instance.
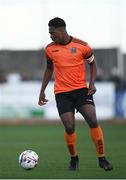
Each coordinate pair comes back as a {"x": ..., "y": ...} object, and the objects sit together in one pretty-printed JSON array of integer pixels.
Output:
[{"x": 28, "y": 159}]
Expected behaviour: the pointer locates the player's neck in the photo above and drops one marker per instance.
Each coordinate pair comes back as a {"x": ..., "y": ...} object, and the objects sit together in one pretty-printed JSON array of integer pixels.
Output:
[{"x": 67, "y": 39}]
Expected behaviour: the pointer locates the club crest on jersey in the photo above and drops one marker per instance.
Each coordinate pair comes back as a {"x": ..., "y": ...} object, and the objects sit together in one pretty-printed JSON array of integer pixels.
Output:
[{"x": 73, "y": 50}]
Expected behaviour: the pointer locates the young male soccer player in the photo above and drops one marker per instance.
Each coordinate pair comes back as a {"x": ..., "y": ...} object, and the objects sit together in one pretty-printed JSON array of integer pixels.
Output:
[{"x": 67, "y": 56}]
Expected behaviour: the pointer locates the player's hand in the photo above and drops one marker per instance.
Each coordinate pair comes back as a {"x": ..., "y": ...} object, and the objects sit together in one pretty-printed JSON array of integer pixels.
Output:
[
  {"x": 91, "y": 89},
  {"x": 42, "y": 100}
]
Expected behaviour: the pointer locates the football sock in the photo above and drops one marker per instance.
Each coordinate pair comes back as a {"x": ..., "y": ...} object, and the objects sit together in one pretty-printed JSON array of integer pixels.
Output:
[
  {"x": 98, "y": 139},
  {"x": 71, "y": 143}
]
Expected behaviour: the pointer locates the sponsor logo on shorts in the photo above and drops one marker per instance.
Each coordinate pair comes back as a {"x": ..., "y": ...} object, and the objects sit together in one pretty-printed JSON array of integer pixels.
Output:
[{"x": 90, "y": 100}]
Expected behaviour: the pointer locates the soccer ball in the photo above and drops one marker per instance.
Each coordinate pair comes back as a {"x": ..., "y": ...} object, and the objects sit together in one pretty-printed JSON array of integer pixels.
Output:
[{"x": 28, "y": 159}]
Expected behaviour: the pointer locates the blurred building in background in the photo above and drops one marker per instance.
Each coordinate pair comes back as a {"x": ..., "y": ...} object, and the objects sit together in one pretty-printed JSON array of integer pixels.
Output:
[{"x": 30, "y": 64}]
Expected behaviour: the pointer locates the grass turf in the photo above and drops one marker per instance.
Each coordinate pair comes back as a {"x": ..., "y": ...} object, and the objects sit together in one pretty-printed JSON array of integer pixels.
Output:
[{"x": 48, "y": 142}]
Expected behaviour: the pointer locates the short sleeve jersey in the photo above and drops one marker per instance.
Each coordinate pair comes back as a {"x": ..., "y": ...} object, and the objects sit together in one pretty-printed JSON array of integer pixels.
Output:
[{"x": 69, "y": 64}]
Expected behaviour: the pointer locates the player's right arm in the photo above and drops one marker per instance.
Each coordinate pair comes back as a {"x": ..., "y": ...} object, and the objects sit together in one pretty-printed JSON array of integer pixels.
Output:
[{"x": 47, "y": 77}]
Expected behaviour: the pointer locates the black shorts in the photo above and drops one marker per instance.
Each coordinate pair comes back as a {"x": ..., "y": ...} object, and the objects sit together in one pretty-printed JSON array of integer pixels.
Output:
[{"x": 69, "y": 101}]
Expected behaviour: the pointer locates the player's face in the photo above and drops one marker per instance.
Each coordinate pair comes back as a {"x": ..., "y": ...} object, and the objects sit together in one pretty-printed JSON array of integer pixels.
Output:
[{"x": 56, "y": 34}]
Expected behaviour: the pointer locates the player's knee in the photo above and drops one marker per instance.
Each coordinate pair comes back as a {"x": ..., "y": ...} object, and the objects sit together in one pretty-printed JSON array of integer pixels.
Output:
[
  {"x": 92, "y": 123},
  {"x": 70, "y": 130}
]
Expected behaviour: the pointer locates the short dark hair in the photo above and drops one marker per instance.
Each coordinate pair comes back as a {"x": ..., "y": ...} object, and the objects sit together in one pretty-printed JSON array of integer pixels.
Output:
[{"x": 57, "y": 22}]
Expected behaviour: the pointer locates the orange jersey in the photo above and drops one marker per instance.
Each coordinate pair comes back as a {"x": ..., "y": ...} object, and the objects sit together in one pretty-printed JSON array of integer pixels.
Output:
[{"x": 69, "y": 64}]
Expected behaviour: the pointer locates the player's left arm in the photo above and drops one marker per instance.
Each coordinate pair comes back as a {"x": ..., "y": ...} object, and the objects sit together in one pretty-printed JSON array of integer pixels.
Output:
[
  {"x": 93, "y": 72},
  {"x": 90, "y": 59}
]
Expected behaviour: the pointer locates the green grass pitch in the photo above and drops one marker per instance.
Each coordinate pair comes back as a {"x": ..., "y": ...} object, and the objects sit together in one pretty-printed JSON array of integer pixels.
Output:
[{"x": 48, "y": 141}]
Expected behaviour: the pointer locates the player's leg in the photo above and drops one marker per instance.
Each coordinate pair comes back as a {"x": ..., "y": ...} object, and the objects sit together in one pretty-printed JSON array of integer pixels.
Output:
[
  {"x": 89, "y": 113},
  {"x": 68, "y": 120},
  {"x": 69, "y": 134},
  {"x": 66, "y": 113}
]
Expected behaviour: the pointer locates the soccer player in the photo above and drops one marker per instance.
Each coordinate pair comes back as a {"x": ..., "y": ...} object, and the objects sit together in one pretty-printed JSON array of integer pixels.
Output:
[{"x": 66, "y": 56}]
